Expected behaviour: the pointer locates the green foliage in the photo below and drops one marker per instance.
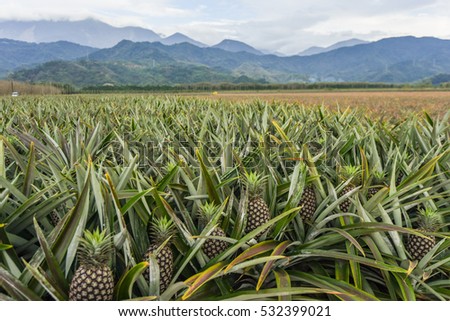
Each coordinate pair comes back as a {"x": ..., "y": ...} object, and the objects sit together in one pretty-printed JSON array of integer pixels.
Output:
[{"x": 116, "y": 163}]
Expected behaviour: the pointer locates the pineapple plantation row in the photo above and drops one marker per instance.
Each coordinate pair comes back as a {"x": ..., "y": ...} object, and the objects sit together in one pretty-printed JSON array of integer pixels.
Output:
[{"x": 169, "y": 198}]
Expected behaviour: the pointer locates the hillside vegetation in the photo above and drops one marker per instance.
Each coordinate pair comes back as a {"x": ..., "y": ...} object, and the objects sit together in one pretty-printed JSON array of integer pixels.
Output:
[{"x": 391, "y": 60}]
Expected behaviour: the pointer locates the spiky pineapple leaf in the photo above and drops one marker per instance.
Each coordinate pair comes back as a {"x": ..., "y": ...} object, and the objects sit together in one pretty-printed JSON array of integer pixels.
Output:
[
  {"x": 124, "y": 287},
  {"x": 210, "y": 186},
  {"x": 277, "y": 251},
  {"x": 342, "y": 290},
  {"x": 283, "y": 281},
  {"x": 15, "y": 288},
  {"x": 30, "y": 171},
  {"x": 134, "y": 200},
  {"x": 253, "y": 251},
  {"x": 46, "y": 283},
  {"x": 203, "y": 277},
  {"x": 355, "y": 258},
  {"x": 424, "y": 171},
  {"x": 14, "y": 263},
  {"x": 53, "y": 265},
  {"x": 299, "y": 293},
  {"x": 154, "y": 276},
  {"x": 4, "y": 247},
  {"x": 64, "y": 235}
]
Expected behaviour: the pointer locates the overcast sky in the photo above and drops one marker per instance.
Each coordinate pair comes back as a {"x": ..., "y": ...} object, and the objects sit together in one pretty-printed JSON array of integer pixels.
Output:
[{"x": 287, "y": 26}]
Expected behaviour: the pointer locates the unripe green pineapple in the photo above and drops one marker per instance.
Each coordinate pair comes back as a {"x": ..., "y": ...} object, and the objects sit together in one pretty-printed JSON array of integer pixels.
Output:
[
  {"x": 353, "y": 173},
  {"x": 419, "y": 246},
  {"x": 257, "y": 209},
  {"x": 308, "y": 203},
  {"x": 93, "y": 280},
  {"x": 212, "y": 247},
  {"x": 160, "y": 231}
]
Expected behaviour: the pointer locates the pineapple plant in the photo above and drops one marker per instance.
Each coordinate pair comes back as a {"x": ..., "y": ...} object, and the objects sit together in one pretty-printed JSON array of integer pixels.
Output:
[
  {"x": 419, "y": 246},
  {"x": 352, "y": 173},
  {"x": 212, "y": 247},
  {"x": 93, "y": 280},
  {"x": 308, "y": 203},
  {"x": 257, "y": 209},
  {"x": 161, "y": 230}
]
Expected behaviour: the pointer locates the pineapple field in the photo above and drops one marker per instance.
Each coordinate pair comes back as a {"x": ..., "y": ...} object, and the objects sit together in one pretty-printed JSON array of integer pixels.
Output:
[{"x": 125, "y": 197}]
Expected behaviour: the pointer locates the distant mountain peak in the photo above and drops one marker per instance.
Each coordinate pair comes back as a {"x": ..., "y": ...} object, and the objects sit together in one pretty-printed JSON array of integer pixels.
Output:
[
  {"x": 341, "y": 44},
  {"x": 178, "y": 37},
  {"x": 236, "y": 46}
]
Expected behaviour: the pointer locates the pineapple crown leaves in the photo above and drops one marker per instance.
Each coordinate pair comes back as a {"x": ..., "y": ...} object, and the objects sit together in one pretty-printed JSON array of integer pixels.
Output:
[
  {"x": 378, "y": 177},
  {"x": 95, "y": 247},
  {"x": 351, "y": 172},
  {"x": 170, "y": 166},
  {"x": 254, "y": 183},
  {"x": 207, "y": 211},
  {"x": 162, "y": 229},
  {"x": 429, "y": 219}
]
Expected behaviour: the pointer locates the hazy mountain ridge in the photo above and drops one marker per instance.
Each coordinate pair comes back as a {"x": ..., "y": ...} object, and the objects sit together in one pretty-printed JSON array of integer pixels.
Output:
[
  {"x": 341, "y": 44},
  {"x": 89, "y": 32}
]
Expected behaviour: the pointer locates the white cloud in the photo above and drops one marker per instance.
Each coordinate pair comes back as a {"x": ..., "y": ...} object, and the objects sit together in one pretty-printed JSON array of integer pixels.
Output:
[{"x": 283, "y": 25}]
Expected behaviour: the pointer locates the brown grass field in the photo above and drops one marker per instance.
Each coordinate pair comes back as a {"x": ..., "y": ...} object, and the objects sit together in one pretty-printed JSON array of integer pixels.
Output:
[
  {"x": 384, "y": 103},
  {"x": 7, "y": 87}
]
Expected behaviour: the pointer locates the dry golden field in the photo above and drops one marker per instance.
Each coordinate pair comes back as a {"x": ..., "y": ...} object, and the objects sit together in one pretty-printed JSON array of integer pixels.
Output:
[
  {"x": 7, "y": 87},
  {"x": 384, "y": 103}
]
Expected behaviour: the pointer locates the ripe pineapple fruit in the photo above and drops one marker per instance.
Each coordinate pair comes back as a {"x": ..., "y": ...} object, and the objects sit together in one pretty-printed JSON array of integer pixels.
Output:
[
  {"x": 212, "y": 247},
  {"x": 378, "y": 178},
  {"x": 399, "y": 178},
  {"x": 161, "y": 230},
  {"x": 54, "y": 218},
  {"x": 8, "y": 161},
  {"x": 419, "y": 246},
  {"x": 308, "y": 203},
  {"x": 348, "y": 172},
  {"x": 93, "y": 280},
  {"x": 257, "y": 209}
]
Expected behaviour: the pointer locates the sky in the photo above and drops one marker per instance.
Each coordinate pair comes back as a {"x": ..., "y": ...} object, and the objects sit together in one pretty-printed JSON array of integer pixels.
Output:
[{"x": 284, "y": 26}]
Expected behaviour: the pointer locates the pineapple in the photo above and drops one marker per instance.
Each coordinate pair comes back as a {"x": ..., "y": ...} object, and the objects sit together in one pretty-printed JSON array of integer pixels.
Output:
[
  {"x": 419, "y": 246},
  {"x": 308, "y": 203},
  {"x": 8, "y": 161},
  {"x": 212, "y": 247},
  {"x": 348, "y": 172},
  {"x": 54, "y": 218},
  {"x": 93, "y": 280},
  {"x": 399, "y": 178},
  {"x": 257, "y": 209},
  {"x": 160, "y": 231},
  {"x": 378, "y": 178}
]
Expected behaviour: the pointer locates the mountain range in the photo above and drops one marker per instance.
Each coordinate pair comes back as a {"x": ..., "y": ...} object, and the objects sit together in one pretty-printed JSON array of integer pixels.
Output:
[{"x": 184, "y": 60}]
